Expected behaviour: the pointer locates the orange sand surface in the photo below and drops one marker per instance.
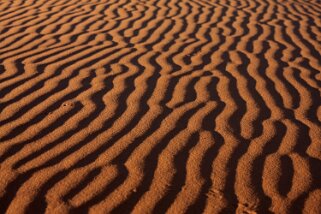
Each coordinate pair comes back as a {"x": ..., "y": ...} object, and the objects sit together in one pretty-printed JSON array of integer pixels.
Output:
[{"x": 160, "y": 106}]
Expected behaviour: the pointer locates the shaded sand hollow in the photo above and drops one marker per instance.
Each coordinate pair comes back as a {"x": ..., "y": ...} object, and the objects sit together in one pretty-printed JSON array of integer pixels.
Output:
[{"x": 154, "y": 106}]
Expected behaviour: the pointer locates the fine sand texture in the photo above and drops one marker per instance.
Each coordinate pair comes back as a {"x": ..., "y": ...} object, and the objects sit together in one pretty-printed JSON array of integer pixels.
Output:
[{"x": 160, "y": 106}]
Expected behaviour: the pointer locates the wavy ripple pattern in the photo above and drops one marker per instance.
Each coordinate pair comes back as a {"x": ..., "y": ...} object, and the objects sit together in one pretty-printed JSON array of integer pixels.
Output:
[{"x": 192, "y": 106}]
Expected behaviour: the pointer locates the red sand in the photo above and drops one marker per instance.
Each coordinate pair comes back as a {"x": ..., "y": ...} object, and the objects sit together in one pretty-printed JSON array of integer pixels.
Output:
[{"x": 154, "y": 106}]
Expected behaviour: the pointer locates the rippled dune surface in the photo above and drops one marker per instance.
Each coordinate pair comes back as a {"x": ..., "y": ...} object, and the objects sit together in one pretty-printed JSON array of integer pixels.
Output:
[{"x": 154, "y": 106}]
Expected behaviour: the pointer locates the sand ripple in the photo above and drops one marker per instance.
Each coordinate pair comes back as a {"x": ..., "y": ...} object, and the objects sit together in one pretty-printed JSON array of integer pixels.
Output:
[{"x": 155, "y": 106}]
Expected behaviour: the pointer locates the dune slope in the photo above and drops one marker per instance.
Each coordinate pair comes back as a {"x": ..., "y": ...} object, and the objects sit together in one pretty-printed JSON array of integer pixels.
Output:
[{"x": 154, "y": 106}]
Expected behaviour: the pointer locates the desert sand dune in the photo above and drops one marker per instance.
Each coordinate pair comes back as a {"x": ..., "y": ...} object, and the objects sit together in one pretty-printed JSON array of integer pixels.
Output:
[{"x": 160, "y": 106}]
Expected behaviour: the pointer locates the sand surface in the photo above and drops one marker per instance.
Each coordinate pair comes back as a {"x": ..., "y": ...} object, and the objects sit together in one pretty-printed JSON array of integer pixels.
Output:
[{"x": 154, "y": 106}]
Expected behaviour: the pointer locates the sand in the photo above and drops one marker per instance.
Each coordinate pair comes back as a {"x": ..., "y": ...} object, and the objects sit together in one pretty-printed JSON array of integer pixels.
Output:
[{"x": 154, "y": 106}]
